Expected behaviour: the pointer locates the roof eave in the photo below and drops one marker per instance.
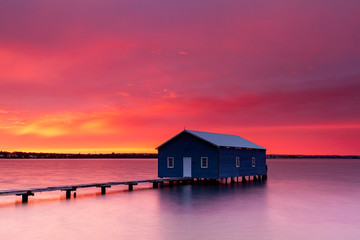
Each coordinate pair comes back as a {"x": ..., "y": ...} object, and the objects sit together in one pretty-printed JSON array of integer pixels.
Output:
[
  {"x": 191, "y": 135},
  {"x": 259, "y": 148}
]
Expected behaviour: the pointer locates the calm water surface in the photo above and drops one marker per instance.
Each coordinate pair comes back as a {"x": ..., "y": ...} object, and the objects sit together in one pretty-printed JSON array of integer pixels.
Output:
[{"x": 302, "y": 199}]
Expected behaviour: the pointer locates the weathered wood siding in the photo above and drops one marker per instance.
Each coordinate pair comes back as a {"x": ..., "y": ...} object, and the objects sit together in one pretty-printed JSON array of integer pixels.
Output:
[
  {"x": 186, "y": 145},
  {"x": 227, "y": 163}
]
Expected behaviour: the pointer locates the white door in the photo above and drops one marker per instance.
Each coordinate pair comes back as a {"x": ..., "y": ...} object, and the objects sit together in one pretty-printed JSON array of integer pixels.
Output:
[{"x": 187, "y": 167}]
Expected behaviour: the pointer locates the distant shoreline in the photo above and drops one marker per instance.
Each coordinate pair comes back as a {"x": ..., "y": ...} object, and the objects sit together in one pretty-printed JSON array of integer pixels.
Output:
[
  {"x": 298, "y": 156},
  {"x": 31, "y": 155}
]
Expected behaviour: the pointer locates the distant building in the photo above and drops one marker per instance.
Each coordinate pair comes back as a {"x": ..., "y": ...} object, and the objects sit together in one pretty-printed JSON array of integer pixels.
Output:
[{"x": 198, "y": 154}]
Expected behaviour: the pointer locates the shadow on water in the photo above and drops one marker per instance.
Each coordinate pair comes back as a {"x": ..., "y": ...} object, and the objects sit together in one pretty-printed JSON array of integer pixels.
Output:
[{"x": 202, "y": 197}]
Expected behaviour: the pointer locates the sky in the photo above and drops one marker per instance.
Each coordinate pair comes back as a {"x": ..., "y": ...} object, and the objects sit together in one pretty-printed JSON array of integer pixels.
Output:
[{"x": 86, "y": 76}]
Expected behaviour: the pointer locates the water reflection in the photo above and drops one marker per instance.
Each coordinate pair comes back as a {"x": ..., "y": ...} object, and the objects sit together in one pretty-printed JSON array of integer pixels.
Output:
[
  {"x": 300, "y": 200},
  {"x": 205, "y": 197}
]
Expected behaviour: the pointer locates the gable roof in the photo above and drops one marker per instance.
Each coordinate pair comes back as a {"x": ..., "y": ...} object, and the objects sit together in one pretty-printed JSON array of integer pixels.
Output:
[{"x": 220, "y": 140}]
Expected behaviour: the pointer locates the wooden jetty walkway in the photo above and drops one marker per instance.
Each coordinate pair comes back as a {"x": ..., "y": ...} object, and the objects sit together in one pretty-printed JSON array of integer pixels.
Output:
[{"x": 25, "y": 193}]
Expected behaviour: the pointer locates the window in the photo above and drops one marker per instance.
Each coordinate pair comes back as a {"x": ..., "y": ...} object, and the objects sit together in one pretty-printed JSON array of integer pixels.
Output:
[
  {"x": 204, "y": 162},
  {"x": 253, "y": 161},
  {"x": 237, "y": 162},
  {"x": 170, "y": 162}
]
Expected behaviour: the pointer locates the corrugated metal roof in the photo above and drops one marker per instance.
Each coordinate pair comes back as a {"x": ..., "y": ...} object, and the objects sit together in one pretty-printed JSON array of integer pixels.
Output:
[
  {"x": 221, "y": 140},
  {"x": 224, "y": 140}
]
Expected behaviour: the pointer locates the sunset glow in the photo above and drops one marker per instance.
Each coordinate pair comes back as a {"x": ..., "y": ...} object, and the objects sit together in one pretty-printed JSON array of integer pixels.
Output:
[{"x": 124, "y": 76}]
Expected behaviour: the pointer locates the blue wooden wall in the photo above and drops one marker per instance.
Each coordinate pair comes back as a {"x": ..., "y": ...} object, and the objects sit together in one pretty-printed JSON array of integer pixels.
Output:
[
  {"x": 227, "y": 163},
  {"x": 186, "y": 145}
]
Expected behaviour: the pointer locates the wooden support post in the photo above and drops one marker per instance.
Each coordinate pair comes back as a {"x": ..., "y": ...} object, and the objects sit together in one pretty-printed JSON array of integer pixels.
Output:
[
  {"x": 249, "y": 178},
  {"x": 237, "y": 179},
  {"x": 232, "y": 180},
  {"x": 68, "y": 191},
  {"x": 171, "y": 183},
  {"x": 243, "y": 180},
  {"x": 226, "y": 180},
  {"x": 68, "y": 194},
  {"x": 130, "y": 187},
  {"x": 103, "y": 190},
  {"x": 155, "y": 184},
  {"x": 255, "y": 179},
  {"x": 25, "y": 196}
]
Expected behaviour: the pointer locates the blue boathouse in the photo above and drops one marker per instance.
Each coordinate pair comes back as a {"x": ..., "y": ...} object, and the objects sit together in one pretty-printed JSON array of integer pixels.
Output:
[{"x": 198, "y": 154}]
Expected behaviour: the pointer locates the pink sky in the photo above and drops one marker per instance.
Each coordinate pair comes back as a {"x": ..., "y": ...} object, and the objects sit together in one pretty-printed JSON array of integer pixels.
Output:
[{"x": 124, "y": 76}]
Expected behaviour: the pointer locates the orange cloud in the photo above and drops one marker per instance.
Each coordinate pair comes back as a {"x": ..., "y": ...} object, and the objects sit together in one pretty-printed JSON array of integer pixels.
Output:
[{"x": 59, "y": 124}]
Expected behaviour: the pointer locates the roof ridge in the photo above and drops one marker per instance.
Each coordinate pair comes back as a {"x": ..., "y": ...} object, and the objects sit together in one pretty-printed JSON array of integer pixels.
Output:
[
  {"x": 223, "y": 140},
  {"x": 219, "y": 139}
]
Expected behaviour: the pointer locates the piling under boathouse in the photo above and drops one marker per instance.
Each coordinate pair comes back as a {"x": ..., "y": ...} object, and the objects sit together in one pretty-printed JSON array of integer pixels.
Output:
[{"x": 197, "y": 154}]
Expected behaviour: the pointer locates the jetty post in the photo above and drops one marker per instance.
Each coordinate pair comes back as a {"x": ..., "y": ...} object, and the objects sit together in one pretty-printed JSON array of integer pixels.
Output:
[
  {"x": 68, "y": 191},
  {"x": 103, "y": 188},
  {"x": 131, "y": 184},
  {"x": 25, "y": 196}
]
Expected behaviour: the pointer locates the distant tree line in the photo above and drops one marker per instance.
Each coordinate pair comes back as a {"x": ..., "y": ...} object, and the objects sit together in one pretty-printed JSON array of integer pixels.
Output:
[
  {"x": 72, "y": 155},
  {"x": 143, "y": 155},
  {"x": 278, "y": 156}
]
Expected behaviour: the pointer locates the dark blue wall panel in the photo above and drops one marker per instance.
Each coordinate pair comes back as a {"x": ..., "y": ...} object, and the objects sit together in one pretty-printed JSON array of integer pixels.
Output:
[
  {"x": 228, "y": 162},
  {"x": 186, "y": 145}
]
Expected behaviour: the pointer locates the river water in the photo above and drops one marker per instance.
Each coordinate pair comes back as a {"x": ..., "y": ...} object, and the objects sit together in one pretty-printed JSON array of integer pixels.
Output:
[{"x": 302, "y": 199}]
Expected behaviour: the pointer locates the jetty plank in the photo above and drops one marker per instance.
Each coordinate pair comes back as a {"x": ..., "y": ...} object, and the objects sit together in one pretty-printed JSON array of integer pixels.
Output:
[
  {"x": 88, "y": 185},
  {"x": 25, "y": 193}
]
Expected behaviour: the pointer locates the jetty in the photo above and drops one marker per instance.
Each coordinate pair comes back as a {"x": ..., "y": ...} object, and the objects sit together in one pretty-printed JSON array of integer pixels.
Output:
[{"x": 68, "y": 189}]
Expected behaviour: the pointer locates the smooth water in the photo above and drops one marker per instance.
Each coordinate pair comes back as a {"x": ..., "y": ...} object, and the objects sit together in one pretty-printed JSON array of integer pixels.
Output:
[{"x": 302, "y": 199}]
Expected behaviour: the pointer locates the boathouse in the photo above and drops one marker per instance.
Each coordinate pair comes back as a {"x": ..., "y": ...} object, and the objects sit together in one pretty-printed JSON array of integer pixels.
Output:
[{"x": 198, "y": 154}]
